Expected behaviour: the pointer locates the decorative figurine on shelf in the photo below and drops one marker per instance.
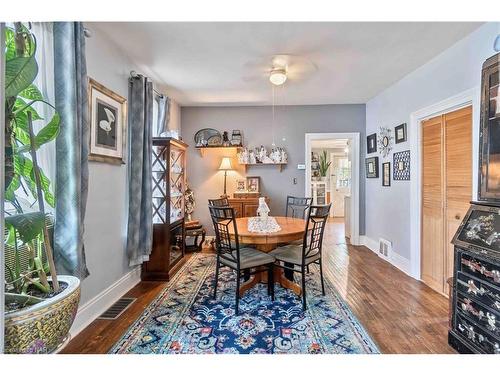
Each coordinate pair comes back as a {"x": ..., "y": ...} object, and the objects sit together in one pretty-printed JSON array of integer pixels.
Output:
[
  {"x": 225, "y": 139},
  {"x": 243, "y": 156},
  {"x": 263, "y": 210},
  {"x": 190, "y": 202},
  {"x": 262, "y": 153},
  {"x": 251, "y": 157},
  {"x": 236, "y": 138}
]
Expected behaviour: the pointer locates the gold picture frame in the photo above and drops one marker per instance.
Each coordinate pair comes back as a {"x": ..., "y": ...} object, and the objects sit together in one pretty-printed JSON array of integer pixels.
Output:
[{"x": 108, "y": 124}]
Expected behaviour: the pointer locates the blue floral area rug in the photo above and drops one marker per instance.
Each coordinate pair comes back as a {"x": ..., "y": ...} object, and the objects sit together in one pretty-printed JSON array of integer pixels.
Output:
[{"x": 185, "y": 318}]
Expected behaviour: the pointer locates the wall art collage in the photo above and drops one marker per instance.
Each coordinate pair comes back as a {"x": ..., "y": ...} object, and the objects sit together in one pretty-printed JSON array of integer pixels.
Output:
[{"x": 383, "y": 142}]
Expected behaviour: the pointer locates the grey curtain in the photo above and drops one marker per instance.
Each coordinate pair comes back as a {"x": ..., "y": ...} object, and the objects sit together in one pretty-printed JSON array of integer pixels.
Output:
[
  {"x": 71, "y": 187},
  {"x": 163, "y": 115},
  {"x": 140, "y": 211}
]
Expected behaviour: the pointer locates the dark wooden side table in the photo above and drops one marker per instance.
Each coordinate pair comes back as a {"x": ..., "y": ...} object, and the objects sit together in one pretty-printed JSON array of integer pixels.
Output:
[{"x": 195, "y": 233}]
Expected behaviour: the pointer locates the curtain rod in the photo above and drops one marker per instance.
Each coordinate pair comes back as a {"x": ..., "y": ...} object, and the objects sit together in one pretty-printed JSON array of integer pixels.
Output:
[{"x": 134, "y": 74}]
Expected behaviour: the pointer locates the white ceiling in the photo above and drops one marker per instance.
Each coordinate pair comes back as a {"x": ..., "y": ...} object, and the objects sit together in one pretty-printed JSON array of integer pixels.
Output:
[{"x": 227, "y": 63}]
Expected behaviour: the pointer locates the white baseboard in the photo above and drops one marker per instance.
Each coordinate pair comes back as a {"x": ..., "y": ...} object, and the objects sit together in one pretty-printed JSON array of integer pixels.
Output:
[
  {"x": 395, "y": 259},
  {"x": 369, "y": 243},
  {"x": 89, "y": 311}
]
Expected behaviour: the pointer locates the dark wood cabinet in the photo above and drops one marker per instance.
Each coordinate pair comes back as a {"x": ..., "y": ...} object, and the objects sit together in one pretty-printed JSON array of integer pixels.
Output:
[
  {"x": 475, "y": 303},
  {"x": 245, "y": 207},
  {"x": 169, "y": 185}
]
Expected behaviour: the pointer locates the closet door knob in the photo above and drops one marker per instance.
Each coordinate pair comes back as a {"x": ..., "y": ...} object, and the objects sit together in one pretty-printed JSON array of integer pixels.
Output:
[{"x": 457, "y": 216}]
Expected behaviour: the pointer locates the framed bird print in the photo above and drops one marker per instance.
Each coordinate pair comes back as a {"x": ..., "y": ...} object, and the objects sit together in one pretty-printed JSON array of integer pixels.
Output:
[{"x": 108, "y": 124}]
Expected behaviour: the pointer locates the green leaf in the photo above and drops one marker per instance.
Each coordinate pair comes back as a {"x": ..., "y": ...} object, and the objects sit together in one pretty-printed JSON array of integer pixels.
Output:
[
  {"x": 47, "y": 192},
  {"x": 31, "y": 92},
  {"x": 28, "y": 225},
  {"x": 48, "y": 133},
  {"x": 10, "y": 44},
  {"x": 24, "y": 168},
  {"x": 19, "y": 74},
  {"x": 12, "y": 188}
]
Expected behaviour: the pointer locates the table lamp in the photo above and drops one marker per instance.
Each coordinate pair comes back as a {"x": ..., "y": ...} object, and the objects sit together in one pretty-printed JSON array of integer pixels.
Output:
[{"x": 225, "y": 165}]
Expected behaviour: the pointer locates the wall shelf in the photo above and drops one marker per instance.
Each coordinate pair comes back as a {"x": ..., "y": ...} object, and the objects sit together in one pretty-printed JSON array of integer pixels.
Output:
[
  {"x": 279, "y": 165},
  {"x": 203, "y": 149}
]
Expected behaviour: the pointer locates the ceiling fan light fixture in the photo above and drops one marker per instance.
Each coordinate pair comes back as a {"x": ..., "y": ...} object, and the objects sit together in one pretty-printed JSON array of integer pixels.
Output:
[{"x": 277, "y": 76}]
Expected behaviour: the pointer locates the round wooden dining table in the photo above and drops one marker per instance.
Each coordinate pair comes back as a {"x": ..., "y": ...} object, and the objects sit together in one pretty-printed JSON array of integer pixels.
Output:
[{"x": 292, "y": 229}]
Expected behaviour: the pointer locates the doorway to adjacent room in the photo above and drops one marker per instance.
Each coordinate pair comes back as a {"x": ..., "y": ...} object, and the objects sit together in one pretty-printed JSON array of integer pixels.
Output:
[{"x": 332, "y": 176}]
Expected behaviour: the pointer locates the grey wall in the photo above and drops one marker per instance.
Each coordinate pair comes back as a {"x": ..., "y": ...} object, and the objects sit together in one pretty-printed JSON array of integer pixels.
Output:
[
  {"x": 291, "y": 124},
  {"x": 455, "y": 70},
  {"x": 106, "y": 216}
]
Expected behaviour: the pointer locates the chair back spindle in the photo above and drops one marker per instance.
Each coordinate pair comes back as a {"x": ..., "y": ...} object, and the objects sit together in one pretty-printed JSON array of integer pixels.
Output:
[
  {"x": 296, "y": 207},
  {"x": 223, "y": 219},
  {"x": 315, "y": 229}
]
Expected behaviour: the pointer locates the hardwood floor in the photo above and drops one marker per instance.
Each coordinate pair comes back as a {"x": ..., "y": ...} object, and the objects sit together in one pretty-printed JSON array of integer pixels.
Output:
[{"x": 401, "y": 314}]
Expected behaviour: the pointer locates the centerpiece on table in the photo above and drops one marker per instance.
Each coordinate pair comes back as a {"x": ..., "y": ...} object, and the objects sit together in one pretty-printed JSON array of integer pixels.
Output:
[{"x": 263, "y": 223}]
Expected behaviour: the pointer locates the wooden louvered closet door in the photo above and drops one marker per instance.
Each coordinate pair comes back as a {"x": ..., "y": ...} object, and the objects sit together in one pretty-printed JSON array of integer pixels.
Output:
[{"x": 446, "y": 191}]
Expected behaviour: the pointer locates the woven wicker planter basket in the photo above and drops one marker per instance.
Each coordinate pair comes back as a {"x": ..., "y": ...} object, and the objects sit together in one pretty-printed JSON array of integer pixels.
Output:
[{"x": 43, "y": 327}]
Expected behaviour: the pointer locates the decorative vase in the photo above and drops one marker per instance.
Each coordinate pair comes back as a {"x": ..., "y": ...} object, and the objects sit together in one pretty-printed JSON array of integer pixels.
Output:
[{"x": 42, "y": 328}]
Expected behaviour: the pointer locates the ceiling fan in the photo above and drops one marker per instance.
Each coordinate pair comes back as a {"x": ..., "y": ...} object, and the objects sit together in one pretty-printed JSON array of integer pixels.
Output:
[{"x": 278, "y": 68}]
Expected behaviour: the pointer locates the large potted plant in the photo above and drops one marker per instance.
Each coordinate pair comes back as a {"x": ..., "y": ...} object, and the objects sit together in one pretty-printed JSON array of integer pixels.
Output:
[{"x": 40, "y": 305}]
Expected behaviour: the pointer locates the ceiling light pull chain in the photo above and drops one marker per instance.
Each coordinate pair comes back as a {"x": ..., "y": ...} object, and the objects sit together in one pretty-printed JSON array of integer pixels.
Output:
[{"x": 272, "y": 124}]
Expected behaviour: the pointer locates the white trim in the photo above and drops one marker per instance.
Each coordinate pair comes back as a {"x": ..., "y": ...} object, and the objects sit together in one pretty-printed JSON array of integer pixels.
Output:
[
  {"x": 90, "y": 310},
  {"x": 464, "y": 99},
  {"x": 395, "y": 259},
  {"x": 2, "y": 182},
  {"x": 354, "y": 151}
]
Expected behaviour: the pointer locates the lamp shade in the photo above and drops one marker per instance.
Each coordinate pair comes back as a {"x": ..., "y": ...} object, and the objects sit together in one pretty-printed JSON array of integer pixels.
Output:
[{"x": 225, "y": 164}]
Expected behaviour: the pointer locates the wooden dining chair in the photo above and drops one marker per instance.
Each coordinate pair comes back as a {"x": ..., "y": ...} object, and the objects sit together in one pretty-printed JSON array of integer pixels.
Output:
[
  {"x": 296, "y": 206},
  {"x": 309, "y": 252},
  {"x": 219, "y": 202},
  {"x": 245, "y": 261}
]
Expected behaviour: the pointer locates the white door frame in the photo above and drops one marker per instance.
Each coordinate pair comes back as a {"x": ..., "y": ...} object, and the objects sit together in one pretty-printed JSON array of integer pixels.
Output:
[
  {"x": 355, "y": 170},
  {"x": 464, "y": 99}
]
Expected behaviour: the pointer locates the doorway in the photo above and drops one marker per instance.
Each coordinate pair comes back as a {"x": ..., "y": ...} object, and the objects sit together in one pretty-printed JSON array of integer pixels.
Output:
[
  {"x": 332, "y": 176},
  {"x": 446, "y": 190}
]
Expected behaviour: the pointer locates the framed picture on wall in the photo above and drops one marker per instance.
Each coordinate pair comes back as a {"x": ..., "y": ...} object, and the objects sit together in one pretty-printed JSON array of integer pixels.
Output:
[
  {"x": 253, "y": 184},
  {"x": 108, "y": 124},
  {"x": 371, "y": 143},
  {"x": 400, "y": 133},
  {"x": 386, "y": 174},
  {"x": 372, "y": 167},
  {"x": 401, "y": 168}
]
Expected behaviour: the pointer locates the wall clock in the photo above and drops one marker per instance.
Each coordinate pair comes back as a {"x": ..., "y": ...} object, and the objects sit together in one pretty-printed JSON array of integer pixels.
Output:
[{"x": 385, "y": 141}]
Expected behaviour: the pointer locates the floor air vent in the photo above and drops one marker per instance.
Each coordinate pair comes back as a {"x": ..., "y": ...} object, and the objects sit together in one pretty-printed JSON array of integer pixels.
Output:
[
  {"x": 117, "y": 309},
  {"x": 384, "y": 248}
]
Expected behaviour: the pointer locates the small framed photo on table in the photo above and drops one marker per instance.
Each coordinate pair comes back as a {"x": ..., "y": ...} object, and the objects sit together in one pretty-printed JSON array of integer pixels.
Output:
[
  {"x": 253, "y": 184},
  {"x": 241, "y": 186},
  {"x": 108, "y": 124}
]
